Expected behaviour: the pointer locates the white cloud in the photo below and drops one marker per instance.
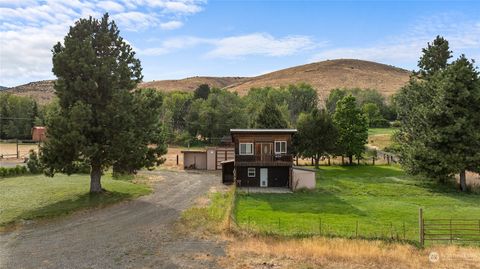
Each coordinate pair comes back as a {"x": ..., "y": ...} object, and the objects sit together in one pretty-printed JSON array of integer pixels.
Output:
[
  {"x": 463, "y": 36},
  {"x": 238, "y": 46},
  {"x": 110, "y": 6},
  {"x": 29, "y": 29},
  {"x": 171, "y": 25},
  {"x": 259, "y": 44}
]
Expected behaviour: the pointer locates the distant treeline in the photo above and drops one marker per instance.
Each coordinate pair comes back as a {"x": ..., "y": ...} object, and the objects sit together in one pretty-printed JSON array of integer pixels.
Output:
[
  {"x": 18, "y": 115},
  {"x": 206, "y": 115}
]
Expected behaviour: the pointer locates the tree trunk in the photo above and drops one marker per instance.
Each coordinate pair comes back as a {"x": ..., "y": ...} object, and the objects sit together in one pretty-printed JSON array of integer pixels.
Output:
[
  {"x": 343, "y": 160},
  {"x": 95, "y": 176},
  {"x": 350, "y": 159},
  {"x": 328, "y": 160},
  {"x": 317, "y": 159},
  {"x": 463, "y": 181}
]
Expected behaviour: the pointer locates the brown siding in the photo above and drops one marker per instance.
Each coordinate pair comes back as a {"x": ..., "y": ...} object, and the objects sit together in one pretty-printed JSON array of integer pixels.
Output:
[{"x": 256, "y": 138}]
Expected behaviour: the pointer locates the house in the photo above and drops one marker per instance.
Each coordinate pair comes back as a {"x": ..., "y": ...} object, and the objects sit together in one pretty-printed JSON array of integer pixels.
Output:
[{"x": 263, "y": 157}]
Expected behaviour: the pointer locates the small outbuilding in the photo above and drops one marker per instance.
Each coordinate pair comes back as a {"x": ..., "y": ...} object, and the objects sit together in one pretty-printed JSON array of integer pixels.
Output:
[
  {"x": 39, "y": 133},
  {"x": 194, "y": 159},
  {"x": 228, "y": 171},
  {"x": 303, "y": 178}
]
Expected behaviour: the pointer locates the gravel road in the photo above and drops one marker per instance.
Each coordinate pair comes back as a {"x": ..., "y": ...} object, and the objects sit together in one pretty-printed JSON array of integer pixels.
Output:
[{"x": 133, "y": 234}]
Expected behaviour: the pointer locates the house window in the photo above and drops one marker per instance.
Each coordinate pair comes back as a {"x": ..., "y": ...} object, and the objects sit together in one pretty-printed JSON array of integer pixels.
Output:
[
  {"x": 246, "y": 148},
  {"x": 280, "y": 147},
  {"x": 251, "y": 172}
]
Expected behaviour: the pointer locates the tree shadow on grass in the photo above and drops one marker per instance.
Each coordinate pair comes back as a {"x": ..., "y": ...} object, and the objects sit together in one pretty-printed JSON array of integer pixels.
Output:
[
  {"x": 67, "y": 206},
  {"x": 313, "y": 203}
]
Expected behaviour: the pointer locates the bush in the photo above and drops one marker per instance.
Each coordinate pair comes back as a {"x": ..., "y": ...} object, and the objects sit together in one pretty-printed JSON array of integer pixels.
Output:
[
  {"x": 13, "y": 171},
  {"x": 396, "y": 124},
  {"x": 33, "y": 163},
  {"x": 380, "y": 123}
]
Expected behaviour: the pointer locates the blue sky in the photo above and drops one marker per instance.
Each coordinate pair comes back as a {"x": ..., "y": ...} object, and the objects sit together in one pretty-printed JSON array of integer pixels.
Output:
[{"x": 182, "y": 38}]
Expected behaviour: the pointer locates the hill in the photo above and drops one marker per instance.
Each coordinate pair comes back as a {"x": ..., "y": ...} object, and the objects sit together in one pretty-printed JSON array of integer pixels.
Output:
[
  {"x": 190, "y": 84},
  {"x": 42, "y": 91},
  {"x": 327, "y": 75},
  {"x": 2, "y": 88},
  {"x": 323, "y": 76}
]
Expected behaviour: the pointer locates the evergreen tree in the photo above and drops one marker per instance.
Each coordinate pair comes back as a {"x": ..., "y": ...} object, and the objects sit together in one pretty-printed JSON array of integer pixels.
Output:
[
  {"x": 202, "y": 91},
  {"x": 316, "y": 135},
  {"x": 352, "y": 128},
  {"x": 435, "y": 57},
  {"x": 455, "y": 119},
  {"x": 270, "y": 116},
  {"x": 95, "y": 121}
]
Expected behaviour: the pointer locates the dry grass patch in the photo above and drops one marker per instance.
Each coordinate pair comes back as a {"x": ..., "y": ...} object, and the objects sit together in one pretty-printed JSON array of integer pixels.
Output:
[{"x": 321, "y": 252}]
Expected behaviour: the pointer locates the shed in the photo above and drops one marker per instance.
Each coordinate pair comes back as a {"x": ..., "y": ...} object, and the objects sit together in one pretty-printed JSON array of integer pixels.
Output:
[
  {"x": 39, "y": 133},
  {"x": 227, "y": 171},
  {"x": 194, "y": 159},
  {"x": 303, "y": 178}
]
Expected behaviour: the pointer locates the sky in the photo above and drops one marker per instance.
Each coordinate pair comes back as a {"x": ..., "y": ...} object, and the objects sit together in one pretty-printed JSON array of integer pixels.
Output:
[{"x": 182, "y": 38}]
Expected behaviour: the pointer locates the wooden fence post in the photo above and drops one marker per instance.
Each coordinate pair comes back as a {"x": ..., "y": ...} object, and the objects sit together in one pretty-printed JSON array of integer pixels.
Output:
[
  {"x": 18, "y": 152},
  {"x": 177, "y": 159},
  {"x": 421, "y": 226}
]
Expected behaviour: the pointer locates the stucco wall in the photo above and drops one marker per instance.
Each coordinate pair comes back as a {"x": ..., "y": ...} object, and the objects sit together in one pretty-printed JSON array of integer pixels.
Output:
[{"x": 303, "y": 179}]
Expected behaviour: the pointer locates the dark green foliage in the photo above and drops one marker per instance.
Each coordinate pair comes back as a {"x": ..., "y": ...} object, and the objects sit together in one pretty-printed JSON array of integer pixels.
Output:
[
  {"x": 214, "y": 117},
  {"x": 98, "y": 119},
  {"x": 175, "y": 107},
  {"x": 362, "y": 97},
  {"x": 18, "y": 115},
  {"x": 202, "y": 91},
  {"x": 439, "y": 134},
  {"x": 316, "y": 135},
  {"x": 33, "y": 164},
  {"x": 303, "y": 98},
  {"x": 13, "y": 171},
  {"x": 270, "y": 116},
  {"x": 352, "y": 128},
  {"x": 435, "y": 57}
]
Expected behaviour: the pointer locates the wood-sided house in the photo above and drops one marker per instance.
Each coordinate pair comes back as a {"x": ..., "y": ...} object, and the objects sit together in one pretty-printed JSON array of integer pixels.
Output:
[{"x": 263, "y": 157}]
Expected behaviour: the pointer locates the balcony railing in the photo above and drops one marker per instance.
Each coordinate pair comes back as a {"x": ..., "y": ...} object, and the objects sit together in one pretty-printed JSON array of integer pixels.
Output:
[{"x": 273, "y": 159}]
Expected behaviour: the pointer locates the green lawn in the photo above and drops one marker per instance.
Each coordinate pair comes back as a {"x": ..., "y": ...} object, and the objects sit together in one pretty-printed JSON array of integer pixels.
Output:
[
  {"x": 35, "y": 196},
  {"x": 381, "y": 131},
  {"x": 381, "y": 198}
]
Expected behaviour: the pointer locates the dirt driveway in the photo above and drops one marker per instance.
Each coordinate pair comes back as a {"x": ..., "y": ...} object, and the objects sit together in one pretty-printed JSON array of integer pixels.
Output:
[{"x": 133, "y": 234}]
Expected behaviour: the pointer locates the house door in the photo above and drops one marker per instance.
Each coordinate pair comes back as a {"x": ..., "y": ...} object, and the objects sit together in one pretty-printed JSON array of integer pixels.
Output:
[
  {"x": 263, "y": 177},
  {"x": 266, "y": 152}
]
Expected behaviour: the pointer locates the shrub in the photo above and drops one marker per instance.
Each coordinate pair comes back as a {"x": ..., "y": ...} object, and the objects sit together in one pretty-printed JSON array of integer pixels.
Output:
[
  {"x": 13, "y": 171},
  {"x": 380, "y": 123},
  {"x": 33, "y": 163},
  {"x": 396, "y": 124}
]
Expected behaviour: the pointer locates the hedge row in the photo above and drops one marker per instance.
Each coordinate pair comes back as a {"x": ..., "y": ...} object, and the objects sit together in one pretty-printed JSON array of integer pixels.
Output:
[{"x": 13, "y": 171}]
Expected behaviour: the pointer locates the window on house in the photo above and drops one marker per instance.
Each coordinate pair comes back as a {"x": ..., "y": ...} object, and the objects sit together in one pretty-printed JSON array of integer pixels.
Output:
[
  {"x": 251, "y": 172},
  {"x": 280, "y": 147},
  {"x": 246, "y": 148}
]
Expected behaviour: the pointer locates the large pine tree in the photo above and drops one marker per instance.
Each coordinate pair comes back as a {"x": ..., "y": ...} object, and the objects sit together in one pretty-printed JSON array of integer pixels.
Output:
[
  {"x": 98, "y": 120},
  {"x": 440, "y": 132}
]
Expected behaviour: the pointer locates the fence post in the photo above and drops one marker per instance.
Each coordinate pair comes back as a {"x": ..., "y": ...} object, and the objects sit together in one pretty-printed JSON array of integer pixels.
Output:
[
  {"x": 177, "y": 159},
  {"x": 420, "y": 224},
  {"x": 18, "y": 153}
]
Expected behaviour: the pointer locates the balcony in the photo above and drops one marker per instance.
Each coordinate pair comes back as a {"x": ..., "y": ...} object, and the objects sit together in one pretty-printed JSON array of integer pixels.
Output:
[{"x": 264, "y": 159}]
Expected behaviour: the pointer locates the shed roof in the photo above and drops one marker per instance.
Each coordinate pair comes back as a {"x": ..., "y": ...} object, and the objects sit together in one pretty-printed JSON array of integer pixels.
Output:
[{"x": 193, "y": 151}]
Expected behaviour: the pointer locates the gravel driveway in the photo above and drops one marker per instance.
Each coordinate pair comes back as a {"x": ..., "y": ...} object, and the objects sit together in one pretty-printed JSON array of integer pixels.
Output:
[{"x": 132, "y": 234}]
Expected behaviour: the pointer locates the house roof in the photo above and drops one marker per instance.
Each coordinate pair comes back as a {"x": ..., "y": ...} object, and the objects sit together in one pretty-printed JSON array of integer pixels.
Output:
[{"x": 236, "y": 131}]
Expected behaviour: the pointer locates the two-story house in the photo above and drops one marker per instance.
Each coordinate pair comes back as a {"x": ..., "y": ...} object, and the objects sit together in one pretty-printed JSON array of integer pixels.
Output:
[{"x": 263, "y": 157}]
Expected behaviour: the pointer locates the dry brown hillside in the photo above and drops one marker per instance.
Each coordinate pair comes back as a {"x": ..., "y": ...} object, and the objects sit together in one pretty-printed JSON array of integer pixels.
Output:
[
  {"x": 323, "y": 76},
  {"x": 42, "y": 91},
  {"x": 327, "y": 75},
  {"x": 190, "y": 84}
]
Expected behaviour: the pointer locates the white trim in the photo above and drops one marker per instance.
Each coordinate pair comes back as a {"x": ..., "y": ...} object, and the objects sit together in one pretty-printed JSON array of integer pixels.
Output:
[
  {"x": 240, "y": 149},
  {"x": 249, "y": 169},
  {"x": 275, "y": 146}
]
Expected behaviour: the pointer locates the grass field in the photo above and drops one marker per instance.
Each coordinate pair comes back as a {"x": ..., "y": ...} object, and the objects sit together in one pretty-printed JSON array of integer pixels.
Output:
[
  {"x": 37, "y": 196},
  {"x": 383, "y": 199},
  {"x": 380, "y": 137}
]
